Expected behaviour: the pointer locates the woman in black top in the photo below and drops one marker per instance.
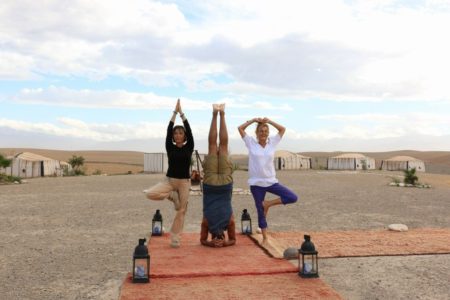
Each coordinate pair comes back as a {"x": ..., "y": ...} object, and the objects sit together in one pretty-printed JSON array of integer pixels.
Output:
[{"x": 179, "y": 148}]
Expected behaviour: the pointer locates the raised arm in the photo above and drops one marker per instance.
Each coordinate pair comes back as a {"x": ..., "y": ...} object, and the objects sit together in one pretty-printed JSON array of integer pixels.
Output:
[
  {"x": 243, "y": 126},
  {"x": 170, "y": 127},
  {"x": 281, "y": 129},
  {"x": 189, "y": 136}
]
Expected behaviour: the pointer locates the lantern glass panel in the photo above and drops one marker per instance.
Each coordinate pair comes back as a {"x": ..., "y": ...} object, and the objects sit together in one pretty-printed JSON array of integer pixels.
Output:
[
  {"x": 308, "y": 265},
  {"x": 246, "y": 226},
  {"x": 157, "y": 227},
  {"x": 141, "y": 268}
]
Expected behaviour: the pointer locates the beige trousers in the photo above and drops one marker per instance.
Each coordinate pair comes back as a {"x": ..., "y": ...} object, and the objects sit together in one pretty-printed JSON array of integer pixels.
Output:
[{"x": 162, "y": 190}]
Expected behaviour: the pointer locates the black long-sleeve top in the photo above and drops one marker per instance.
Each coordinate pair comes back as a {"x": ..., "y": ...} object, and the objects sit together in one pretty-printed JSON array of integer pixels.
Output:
[{"x": 179, "y": 158}]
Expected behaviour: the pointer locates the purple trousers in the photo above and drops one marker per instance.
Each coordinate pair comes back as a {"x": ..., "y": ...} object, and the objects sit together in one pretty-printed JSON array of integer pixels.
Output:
[{"x": 286, "y": 195}]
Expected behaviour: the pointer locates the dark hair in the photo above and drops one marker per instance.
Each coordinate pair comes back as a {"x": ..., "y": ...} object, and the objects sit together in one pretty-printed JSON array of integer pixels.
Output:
[
  {"x": 219, "y": 236},
  {"x": 179, "y": 127}
]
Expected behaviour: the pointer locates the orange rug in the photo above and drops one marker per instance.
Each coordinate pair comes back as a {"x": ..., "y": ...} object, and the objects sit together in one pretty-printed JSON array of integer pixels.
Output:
[
  {"x": 193, "y": 260},
  {"x": 242, "y": 271},
  {"x": 250, "y": 287},
  {"x": 364, "y": 242}
]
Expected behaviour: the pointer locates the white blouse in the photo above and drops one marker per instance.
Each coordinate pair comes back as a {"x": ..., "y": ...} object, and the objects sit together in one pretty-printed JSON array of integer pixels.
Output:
[{"x": 261, "y": 167}]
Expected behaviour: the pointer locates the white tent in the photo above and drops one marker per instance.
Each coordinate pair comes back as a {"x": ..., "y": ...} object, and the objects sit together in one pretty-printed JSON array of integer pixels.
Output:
[
  {"x": 351, "y": 161},
  {"x": 158, "y": 162},
  {"x": 155, "y": 162},
  {"x": 285, "y": 160},
  {"x": 26, "y": 165},
  {"x": 397, "y": 163}
]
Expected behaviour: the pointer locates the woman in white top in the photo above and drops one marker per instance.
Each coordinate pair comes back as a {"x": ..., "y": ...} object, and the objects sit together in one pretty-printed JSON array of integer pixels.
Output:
[{"x": 261, "y": 169}]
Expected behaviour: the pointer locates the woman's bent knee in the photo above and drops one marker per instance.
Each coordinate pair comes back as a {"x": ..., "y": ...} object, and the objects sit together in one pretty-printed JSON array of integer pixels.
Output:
[
  {"x": 290, "y": 199},
  {"x": 155, "y": 196}
]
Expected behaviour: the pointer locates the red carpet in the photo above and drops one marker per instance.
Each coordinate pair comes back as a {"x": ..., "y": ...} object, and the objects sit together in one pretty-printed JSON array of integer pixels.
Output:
[
  {"x": 192, "y": 259},
  {"x": 242, "y": 271},
  {"x": 249, "y": 287},
  {"x": 365, "y": 242}
]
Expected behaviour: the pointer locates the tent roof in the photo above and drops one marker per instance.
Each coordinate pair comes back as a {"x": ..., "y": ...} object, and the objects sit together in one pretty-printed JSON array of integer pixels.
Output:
[
  {"x": 285, "y": 153},
  {"x": 402, "y": 158},
  {"x": 350, "y": 155},
  {"x": 32, "y": 157}
]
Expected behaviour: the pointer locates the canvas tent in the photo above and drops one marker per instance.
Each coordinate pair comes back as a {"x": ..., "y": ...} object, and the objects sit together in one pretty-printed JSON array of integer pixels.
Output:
[
  {"x": 285, "y": 160},
  {"x": 27, "y": 165},
  {"x": 398, "y": 163},
  {"x": 351, "y": 161},
  {"x": 155, "y": 162},
  {"x": 158, "y": 162}
]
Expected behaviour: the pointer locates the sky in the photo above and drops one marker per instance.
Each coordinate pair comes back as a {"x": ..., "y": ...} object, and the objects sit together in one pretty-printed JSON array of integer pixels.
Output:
[{"x": 339, "y": 75}]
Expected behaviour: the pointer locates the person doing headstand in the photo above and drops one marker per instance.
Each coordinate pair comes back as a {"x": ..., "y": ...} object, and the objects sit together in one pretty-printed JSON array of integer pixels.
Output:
[
  {"x": 179, "y": 148},
  {"x": 218, "y": 219},
  {"x": 261, "y": 169}
]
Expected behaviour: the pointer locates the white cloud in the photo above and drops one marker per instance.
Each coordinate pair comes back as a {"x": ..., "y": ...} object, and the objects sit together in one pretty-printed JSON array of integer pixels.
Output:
[
  {"x": 68, "y": 127},
  {"x": 378, "y": 126},
  {"x": 380, "y": 50},
  {"x": 61, "y": 96},
  {"x": 14, "y": 66}
]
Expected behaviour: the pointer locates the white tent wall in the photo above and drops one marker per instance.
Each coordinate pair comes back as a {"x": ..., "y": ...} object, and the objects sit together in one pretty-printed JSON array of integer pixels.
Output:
[
  {"x": 155, "y": 162},
  {"x": 419, "y": 165},
  {"x": 23, "y": 169},
  {"x": 403, "y": 165},
  {"x": 399, "y": 163},
  {"x": 394, "y": 165},
  {"x": 52, "y": 168},
  {"x": 158, "y": 162},
  {"x": 286, "y": 160},
  {"x": 29, "y": 165},
  {"x": 342, "y": 163},
  {"x": 292, "y": 163},
  {"x": 353, "y": 161},
  {"x": 365, "y": 163}
]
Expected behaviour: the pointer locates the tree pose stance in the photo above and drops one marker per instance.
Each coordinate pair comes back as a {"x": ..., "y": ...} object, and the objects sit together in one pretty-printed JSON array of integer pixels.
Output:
[
  {"x": 262, "y": 176},
  {"x": 179, "y": 148}
]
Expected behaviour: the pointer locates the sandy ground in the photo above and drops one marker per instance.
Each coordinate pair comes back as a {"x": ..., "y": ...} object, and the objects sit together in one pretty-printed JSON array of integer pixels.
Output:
[{"x": 73, "y": 237}]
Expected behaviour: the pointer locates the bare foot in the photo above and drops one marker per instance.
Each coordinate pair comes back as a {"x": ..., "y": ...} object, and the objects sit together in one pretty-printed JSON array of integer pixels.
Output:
[
  {"x": 265, "y": 243},
  {"x": 216, "y": 108},
  {"x": 222, "y": 107}
]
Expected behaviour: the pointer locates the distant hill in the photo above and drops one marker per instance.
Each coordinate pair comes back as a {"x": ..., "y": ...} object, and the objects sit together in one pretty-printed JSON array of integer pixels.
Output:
[{"x": 113, "y": 162}]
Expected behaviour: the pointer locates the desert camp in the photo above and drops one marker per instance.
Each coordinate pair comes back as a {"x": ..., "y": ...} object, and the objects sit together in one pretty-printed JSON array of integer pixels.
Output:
[
  {"x": 351, "y": 161},
  {"x": 28, "y": 165},
  {"x": 399, "y": 163},
  {"x": 286, "y": 160}
]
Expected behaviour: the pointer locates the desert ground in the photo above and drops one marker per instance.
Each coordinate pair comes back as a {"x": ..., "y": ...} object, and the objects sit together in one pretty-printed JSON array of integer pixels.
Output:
[{"x": 73, "y": 237}]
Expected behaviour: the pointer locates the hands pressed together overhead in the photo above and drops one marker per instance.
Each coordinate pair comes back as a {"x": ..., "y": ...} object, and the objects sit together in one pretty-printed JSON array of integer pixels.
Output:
[{"x": 178, "y": 107}]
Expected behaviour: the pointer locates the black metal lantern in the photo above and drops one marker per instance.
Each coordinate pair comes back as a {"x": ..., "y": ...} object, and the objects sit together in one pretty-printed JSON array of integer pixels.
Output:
[
  {"x": 141, "y": 263},
  {"x": 157, "y": 224},
  {"x": 308, "y": 265},
  {"x": 246, "y": 223}
]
